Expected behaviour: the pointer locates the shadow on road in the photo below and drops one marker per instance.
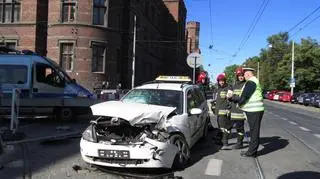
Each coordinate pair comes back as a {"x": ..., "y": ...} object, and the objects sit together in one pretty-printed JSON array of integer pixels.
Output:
[
  {"x": 300, "y": 175},
  {"x": 204, "y": 147},
  {"x": 271, "y": 144}
]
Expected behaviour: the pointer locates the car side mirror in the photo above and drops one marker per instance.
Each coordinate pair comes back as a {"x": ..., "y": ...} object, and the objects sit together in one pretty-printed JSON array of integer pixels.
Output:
[{"x": 195, "y": 111}]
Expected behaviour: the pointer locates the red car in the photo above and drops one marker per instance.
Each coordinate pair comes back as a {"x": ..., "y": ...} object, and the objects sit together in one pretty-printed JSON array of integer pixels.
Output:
[
  {"x": 285, "y": 96},
  {"x": 271, "y": 94}
]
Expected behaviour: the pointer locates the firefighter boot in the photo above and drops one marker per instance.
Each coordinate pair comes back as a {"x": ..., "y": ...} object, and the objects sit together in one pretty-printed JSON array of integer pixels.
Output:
[
  {"x": 224, "y": 141},
  {"x": 239, "y": 144}
]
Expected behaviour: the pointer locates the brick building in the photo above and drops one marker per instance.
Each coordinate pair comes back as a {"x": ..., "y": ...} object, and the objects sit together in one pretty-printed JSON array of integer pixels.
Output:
[
  {"x": 93, "y": 39},
  {"x": 193, "y": 29},
  {"x": 24, "y": 28}
]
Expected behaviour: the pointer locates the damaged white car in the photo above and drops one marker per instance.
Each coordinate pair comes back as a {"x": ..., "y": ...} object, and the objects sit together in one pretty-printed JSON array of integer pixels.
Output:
[{"x": 153, "y": 126}]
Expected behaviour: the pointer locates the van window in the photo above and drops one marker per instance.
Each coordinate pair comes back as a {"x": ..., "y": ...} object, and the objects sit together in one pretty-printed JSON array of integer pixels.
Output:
[
  {"x": 46, "y": 74},
  {"x": 13, "y": 74}
]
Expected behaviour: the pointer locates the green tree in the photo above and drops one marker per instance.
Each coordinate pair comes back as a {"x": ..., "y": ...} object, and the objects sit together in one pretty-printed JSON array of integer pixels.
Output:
[{"x": 229, "y": 71}]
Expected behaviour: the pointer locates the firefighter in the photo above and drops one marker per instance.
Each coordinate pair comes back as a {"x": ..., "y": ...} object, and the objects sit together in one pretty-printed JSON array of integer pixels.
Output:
[
  {"x": 237, "y": 115},
  {"x": 223, "y": 106},
  {"x": 202, "y": 82}
]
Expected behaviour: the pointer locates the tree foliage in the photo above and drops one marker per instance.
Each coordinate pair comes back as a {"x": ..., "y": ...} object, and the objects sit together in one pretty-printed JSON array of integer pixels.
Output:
[{"x": 275, "y": 63}]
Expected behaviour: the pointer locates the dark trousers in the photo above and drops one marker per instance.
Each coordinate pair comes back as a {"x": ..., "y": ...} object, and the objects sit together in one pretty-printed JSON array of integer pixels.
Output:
[
  {"x": 225, "y": 124},
  {"x": 239, "y": 126},
  {"x": 254, "y": 120}
]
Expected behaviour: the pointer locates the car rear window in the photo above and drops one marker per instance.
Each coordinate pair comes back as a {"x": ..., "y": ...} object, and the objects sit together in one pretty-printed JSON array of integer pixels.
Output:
[{"x": 13, "y": 74}]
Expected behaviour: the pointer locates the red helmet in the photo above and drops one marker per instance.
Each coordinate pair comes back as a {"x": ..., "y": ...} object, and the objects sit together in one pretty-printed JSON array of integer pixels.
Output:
[
  {"x": 202, "y": 76},
  {"x": 221, "y": 77},
  {"x": 239, "y": 71}
]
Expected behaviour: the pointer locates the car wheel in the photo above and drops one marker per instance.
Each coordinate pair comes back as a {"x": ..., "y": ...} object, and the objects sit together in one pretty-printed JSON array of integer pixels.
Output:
[
  {"x": 205, "y": 128},
  {"x": 183, "y": 156}
]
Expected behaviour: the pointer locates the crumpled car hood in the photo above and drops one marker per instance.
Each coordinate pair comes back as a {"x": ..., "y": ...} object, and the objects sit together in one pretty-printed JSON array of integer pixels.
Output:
[{"x": 134, "y": 113}]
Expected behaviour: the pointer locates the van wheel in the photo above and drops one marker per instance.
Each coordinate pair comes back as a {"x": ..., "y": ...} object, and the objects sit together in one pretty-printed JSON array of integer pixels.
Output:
[
  {"x": 183, "y": 156},
  {"x": 64, "y": 114}
]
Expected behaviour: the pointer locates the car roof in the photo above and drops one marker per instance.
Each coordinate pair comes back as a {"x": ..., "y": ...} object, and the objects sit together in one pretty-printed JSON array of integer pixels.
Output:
[{"x": 166, "y": 86}]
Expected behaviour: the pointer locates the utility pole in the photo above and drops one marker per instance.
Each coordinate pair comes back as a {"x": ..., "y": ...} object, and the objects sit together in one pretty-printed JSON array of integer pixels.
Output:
[
  {"x": 292, "y": 81},
  {"x": 134, "y": 50},
  {"x": 194, "y": 69},
  {"x": 258, "y": 74}
]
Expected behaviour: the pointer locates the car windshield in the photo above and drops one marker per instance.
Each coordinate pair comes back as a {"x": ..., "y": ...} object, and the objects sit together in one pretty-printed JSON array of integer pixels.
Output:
[{"x": 160, "y": 97}]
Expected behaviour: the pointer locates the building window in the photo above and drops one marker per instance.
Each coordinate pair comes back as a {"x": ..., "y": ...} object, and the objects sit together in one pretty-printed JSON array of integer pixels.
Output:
[
  {"x": 67, "y": 56},
  {"x": 9, "y": 44},
  {"x": 100, "y": 12},
  {"x": 98, "y": 58},
  {"x": 10, "y": 11},
  {"x": 68, "y": 10}
]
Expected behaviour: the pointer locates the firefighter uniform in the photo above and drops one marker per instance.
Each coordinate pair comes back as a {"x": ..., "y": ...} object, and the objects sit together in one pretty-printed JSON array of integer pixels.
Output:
[
  {"x": 237, "y": 115},
  {"x": 223, "y": 107}
]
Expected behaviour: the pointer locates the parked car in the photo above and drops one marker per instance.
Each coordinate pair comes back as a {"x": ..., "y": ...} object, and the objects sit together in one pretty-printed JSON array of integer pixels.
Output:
[
  {"x": 276, "y": 97},
  {"x": 271, "y": 94},
  {"x": 307, "y": 98},
  {"x": 301, "y": 98},
  {"x": 315, "y": 101},
  {"x": 285, "y": 96},
  {"x": 153, "y": 126},
  {"x": 294, "y": 97}
]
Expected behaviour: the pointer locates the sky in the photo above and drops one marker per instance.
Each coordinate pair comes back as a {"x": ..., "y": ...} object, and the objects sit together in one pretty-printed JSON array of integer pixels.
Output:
[{"x": 231, "y": 19}]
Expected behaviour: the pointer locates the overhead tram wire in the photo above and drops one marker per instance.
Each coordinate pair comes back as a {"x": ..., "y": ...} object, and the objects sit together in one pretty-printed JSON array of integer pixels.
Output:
[
  {"x": 252, "y": 23},
  {"x": 304, "y": 19},
  {"x": 254, "y": 26},
  {"x": 305, "y": 26},
  {"x": 255, "y": 21},
  {"x": 211, "y": 25}
]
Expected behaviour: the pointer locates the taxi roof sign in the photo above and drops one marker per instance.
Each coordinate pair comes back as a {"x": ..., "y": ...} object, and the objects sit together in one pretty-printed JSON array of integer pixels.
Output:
[{"x": 173, "y": 78}]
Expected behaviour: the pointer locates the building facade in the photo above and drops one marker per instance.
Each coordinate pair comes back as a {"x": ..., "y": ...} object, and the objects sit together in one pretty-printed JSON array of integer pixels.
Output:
[
  {"x": 23, "y": 24},
  {"x": 93, "y": 40},
  {"x": 193, "y": 29}
]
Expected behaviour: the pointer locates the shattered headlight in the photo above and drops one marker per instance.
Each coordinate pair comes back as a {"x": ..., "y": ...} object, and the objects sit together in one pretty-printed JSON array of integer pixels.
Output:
[{"x": 89, "y": 135}]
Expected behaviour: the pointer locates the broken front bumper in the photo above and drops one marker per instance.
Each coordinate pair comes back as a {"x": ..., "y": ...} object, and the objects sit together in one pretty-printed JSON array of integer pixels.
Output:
[{"x": 151, "y": 154}]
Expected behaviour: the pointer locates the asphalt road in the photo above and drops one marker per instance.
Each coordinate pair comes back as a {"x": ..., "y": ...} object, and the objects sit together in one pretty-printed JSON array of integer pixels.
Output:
[{"x": 290, "y": 145}]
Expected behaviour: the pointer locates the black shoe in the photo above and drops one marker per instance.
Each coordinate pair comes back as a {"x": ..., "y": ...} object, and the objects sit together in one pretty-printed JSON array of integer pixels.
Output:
[
  {"x": 245, "y": 154},
  {"x": 239, "y": 145}
]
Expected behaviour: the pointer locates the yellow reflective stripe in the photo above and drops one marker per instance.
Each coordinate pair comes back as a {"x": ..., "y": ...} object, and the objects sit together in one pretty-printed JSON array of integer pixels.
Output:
[
  {"x": 222, "y": 112},
  {"x": 237, "y": 92},
  {"x": 237, "y": 115},
  {"x": 240, "y": 133},
  {"x": 224, "y": 130}
]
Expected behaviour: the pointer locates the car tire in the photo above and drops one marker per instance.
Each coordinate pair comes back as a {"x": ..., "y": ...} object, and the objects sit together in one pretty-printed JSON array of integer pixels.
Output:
[{"x": 183, "y": 156}]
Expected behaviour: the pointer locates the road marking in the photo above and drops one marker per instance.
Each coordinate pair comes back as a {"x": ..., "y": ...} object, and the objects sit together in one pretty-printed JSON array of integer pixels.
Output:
[
  {"x": 214, "y": 167},
  {"x": 317, "y": 135},
  {"x": 305, "y": 129},
  {"x": 284, "y": 118},
  {"x": 293, "y": 123}
]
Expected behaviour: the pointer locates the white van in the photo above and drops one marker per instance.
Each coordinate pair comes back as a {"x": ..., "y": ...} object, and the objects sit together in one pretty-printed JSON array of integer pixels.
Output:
[{"x": 46, "y": 90}]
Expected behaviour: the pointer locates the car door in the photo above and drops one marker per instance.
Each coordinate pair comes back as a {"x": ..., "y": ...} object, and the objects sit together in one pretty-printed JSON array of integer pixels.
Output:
[
  {"x": 192, "y": 119},
  {"x": 201, "y": 103}
]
